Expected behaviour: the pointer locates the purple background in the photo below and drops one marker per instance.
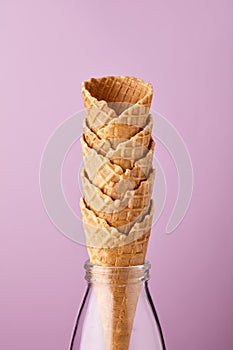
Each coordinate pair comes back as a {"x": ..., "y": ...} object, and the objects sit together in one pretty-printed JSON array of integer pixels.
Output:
[{"x": 185, "y": 49}]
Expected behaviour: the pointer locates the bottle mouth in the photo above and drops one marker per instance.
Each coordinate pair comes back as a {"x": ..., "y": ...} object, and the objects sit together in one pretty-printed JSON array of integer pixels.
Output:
[{"x": 120, "y": 275}]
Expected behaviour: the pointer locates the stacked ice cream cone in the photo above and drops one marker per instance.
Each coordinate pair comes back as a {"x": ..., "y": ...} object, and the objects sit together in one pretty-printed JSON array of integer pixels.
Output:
[{"x": 117, "y": 180}]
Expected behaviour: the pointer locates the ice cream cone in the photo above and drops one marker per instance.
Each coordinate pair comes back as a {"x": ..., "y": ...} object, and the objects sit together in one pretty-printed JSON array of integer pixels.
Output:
[
  {"x": 117, "y": 304},
  {"x": 128, "y": 152},
  {"x": 117, "y": 182},
  {"x": 111, "y": 178},
  {"x": 107, "y": 98},
  {"x": 118, "y": 213},
  {"x": 102, "y": 238}
]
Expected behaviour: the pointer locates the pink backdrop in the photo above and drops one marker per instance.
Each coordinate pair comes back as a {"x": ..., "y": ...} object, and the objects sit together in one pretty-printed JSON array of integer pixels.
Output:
[{"x": 185, "y": 49}]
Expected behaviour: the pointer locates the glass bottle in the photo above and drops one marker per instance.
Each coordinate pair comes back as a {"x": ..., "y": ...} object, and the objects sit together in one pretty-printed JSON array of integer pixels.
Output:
[{"x": 117, "y": 311}]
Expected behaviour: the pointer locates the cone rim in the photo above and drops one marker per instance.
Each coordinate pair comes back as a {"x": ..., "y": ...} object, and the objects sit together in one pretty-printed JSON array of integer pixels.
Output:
[{"x": 86, "y": 89}]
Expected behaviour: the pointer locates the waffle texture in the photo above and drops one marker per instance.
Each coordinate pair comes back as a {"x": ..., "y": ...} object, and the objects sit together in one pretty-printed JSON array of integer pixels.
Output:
[{"x": 117, "y": 180}]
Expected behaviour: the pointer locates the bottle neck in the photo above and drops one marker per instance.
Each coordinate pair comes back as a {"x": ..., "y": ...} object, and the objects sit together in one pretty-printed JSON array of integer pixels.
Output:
[{"x": 117, "y": 275}]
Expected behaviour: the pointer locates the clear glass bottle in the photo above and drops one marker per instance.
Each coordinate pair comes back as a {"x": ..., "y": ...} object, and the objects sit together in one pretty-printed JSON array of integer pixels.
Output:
[{"x": 117, "y": 312}]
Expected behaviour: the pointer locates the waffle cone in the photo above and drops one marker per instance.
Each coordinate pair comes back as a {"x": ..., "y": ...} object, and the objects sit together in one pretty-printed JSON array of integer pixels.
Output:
[
  {"x": 107, "y": 98},
  {"x": 110, "y": 177},
  {"x": 101, "y": 235},
  {"x": 118, "y": 300},
  {"x": 118, "y": 213},
  {"x": 127, "y": 151},
  {"x": 117, "y": 179}
]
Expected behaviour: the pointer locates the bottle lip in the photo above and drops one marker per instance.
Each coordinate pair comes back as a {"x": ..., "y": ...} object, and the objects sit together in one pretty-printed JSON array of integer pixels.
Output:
[
  {"x": 117, "y": 274},
  {"x": 145, "y": 266}
]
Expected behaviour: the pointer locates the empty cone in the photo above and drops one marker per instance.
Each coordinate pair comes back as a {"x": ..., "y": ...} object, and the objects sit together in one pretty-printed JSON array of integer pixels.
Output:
[
  {"x": 117, "y": 300},
  {"x": 117, "y": 179},
  {"x": 111, "y": 178},
  {"x": 107, "y": 98},
  {"x": 118, "y": 213}
]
